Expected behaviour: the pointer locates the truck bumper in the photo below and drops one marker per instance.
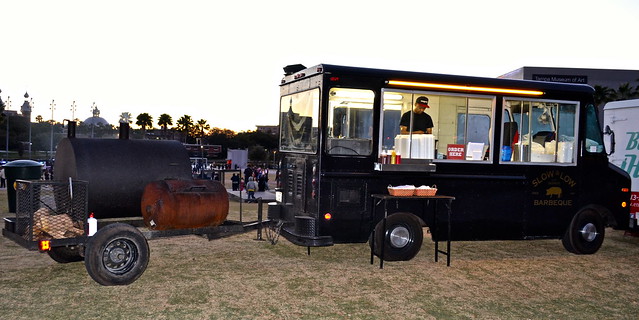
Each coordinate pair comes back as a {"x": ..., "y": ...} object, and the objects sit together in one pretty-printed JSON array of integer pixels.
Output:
[{"x": 300, "y": 230}]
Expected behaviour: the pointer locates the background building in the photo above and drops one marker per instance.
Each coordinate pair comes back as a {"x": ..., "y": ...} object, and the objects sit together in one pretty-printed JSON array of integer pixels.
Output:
[
  {"x": 610, "y": 78},
  {"x": 609, "y": 84},
  {"x": 270, "y": 129}
]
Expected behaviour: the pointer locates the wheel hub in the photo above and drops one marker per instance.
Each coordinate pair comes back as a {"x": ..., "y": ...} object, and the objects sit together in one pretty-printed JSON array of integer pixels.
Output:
[
  {"x": 589, "y": 232},
  {"x": 399, "y": 237},
  {"x": 119, "y": 256}
]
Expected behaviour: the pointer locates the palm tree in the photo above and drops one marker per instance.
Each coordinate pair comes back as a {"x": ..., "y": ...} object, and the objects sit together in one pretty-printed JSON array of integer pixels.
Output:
[
  {"x": 203, "y": 127},
  {"x": 603, "y": 94},
  {"x": 125, "y": 117},
  {"x": 39, "y": 119},
  {"x": 625, "y": 92},
  {"x": 184, "y": 125},
  {"x": 144, "y": 120},
  {"x": 165, "y": 121}
]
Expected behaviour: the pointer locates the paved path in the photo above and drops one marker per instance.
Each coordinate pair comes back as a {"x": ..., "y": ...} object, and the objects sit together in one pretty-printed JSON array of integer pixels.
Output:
[{"x": 266, "y": 196}]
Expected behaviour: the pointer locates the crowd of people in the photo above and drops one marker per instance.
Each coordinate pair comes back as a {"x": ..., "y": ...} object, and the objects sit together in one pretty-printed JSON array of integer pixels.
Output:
[{"x": 255, "y": 179}]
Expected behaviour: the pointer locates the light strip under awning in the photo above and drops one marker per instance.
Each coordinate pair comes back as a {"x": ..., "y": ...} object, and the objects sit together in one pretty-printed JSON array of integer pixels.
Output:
[{"x": 464, "y": 87}]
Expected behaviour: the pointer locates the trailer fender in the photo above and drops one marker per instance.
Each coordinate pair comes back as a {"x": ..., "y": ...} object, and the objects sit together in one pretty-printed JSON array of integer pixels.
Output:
[
  {"x": 67, "y": 254},
  {"x": 402, "y": 238}
]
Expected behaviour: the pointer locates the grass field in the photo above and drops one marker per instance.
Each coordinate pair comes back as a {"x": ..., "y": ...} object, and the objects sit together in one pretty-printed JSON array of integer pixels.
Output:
[{"x": 240, "y": 278}]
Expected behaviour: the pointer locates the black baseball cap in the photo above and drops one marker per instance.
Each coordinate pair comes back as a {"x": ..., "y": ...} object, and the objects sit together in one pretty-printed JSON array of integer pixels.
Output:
[{"x": 422, "y": 102}]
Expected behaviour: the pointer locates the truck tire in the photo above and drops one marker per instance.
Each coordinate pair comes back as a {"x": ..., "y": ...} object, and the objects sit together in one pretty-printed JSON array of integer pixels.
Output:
[
  {"x": 117, "y": 254},
  {"x": 66, "y": 254},
  {"x": 566, "y": 242},
  {"x": 586, "y": 232},
  {"x": 402, "y": 238}
]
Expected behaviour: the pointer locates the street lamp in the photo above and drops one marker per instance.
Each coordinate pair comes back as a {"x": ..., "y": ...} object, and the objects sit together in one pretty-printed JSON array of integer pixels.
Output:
[
  {"x": 30, "y": 112},
  {"x": 8, "y": 116},
  {"x": 73, "y": 111},
  {"x": 52, "y": 108},
  {"x": 95, "y": 113}
]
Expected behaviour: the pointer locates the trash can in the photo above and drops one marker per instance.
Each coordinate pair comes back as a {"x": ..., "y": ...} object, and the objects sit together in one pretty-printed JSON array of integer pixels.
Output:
[{"x": 20, "y": 169}]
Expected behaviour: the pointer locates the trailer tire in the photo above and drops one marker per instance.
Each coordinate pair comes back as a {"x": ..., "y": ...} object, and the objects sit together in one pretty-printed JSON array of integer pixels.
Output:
[
  {"x": 66, "y": 254},
  {"x": 402, "y": 238},
  {"x": 117, "y": 254},
  {"x": 586, "y": 232}
]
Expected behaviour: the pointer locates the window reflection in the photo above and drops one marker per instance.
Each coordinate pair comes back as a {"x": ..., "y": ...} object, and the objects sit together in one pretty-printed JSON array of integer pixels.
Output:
[
  {"x": 539, "y": 131},
  {"x": 350, "y": 122},
  {"x": 298, "y": 121}
]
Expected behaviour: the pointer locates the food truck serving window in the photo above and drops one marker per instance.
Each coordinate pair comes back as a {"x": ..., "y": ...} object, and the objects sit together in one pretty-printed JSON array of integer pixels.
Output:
[
  {"x": 539, "y": 131},
  {"x": 350, "y": 122},
  {"x": 298, "y": 121},
  {"x": 427, "y": 125}
]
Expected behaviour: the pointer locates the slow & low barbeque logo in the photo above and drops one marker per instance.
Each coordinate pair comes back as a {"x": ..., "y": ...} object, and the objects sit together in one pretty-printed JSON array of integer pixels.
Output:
[{"x": 553, "y": 188}]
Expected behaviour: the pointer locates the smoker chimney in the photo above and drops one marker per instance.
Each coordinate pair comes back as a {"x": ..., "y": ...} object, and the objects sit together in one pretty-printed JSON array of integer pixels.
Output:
[
  {"x": 124, "y": 131},
  {"x": 71, "y": 129}
]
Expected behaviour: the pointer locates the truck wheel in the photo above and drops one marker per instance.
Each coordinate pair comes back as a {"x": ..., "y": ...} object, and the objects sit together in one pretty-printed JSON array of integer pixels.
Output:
[
  {"x": 66, "y": 254},
  {"x": 402, "y": 239},
  {"x": 566, "y": 242},
  {"x": 116, "y": 255},
  {"x": 586, "y": 232}
]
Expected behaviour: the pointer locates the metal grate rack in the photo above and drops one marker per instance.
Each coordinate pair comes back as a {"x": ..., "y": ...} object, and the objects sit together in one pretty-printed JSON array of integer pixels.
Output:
[{"x": 51, "y": 209}]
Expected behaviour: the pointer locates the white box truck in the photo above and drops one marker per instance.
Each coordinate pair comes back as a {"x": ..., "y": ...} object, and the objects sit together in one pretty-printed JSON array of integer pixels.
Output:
[{"x": 621, "y": 121}]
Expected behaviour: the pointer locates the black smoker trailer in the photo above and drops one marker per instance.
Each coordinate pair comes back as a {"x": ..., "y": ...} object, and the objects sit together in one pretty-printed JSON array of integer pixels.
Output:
[{"x": 51, "y": 216}]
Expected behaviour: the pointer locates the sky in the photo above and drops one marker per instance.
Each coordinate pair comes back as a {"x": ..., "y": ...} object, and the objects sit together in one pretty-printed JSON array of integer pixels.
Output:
[{"x": 222, "y": 60}]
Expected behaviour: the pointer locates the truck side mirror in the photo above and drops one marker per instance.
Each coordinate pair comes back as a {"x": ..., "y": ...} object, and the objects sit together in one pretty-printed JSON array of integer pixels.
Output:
[{"x": 609, "y": 140}]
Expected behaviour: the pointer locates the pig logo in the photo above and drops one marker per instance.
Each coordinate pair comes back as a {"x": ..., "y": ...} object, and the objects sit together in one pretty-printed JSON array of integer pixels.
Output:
[{"x": 554, "y": 191}]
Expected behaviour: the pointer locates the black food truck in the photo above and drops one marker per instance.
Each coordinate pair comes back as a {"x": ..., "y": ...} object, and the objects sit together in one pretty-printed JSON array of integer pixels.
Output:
[{"x": 523, "y": 159}]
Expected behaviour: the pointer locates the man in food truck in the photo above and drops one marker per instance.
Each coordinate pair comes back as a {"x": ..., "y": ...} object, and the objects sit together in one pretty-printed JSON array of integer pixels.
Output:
[{"x": 422, "y": 122}]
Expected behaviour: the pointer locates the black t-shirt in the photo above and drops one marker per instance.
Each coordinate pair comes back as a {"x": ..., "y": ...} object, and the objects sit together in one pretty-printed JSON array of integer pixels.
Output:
[{"x": 421, "y": 121}]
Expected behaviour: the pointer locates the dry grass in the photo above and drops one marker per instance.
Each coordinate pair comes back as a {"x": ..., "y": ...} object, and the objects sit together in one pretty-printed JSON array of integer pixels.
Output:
[{"x": 240, "y": 278}]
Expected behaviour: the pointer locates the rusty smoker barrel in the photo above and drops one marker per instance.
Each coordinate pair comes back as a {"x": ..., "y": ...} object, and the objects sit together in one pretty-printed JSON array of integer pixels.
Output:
[
  {"x": 183, "y": 204},
  {"x": 118, "y": 170}
]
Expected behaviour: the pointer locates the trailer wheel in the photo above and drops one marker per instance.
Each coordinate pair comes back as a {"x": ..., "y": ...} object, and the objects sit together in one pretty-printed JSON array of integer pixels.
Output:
[
  {"x": 586, "y": 232},
  {"x": 402, "y": 238},
  {"x": 116, "y": 255},
  {"x": 66, "y": 254}
]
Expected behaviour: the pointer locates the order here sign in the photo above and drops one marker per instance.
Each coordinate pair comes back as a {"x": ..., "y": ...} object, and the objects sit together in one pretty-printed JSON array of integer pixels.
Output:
[{"x": 455, "y": 151}]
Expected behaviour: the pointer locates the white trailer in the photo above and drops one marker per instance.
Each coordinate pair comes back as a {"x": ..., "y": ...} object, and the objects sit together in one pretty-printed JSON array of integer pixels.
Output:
[{"x": 621, "y": 121}]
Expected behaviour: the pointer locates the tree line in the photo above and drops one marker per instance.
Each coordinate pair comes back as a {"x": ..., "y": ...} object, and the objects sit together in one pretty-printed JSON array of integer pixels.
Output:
[
  {"x": 261, "y": 145},
  {"x": 44, "y": 135},
  {"x": 625, "y": 91}
]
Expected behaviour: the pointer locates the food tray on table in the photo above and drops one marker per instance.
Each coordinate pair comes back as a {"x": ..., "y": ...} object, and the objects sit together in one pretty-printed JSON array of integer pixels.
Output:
[
  {"x": 411, "y": 190},
  {"x": 401, "y": 191},
  {"x": 426, "y": 191}
]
